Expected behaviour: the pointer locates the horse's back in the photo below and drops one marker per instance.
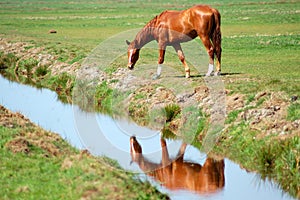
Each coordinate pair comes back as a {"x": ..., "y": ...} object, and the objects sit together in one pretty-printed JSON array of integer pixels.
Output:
[
  {"x": 168, "y": 15},
  {"x": 185, "y": 17},
  {"x": 185, "y": 25},
  {"x": 205, "y": 9}
]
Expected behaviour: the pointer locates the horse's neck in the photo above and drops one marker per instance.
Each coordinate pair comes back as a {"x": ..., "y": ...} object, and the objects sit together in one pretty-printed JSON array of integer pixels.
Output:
[
  {"x": 143, "y": 37},
  {"x": 146, "y": 35},
  {"x": 146, "y": 165}
]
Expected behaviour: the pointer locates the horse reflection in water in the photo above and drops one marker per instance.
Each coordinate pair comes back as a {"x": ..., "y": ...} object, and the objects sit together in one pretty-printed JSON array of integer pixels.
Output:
[{"x": 178, "y": 174}]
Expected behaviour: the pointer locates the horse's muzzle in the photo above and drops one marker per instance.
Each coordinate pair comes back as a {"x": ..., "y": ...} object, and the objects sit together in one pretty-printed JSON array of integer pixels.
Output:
[{"x": 130, "y": 66}]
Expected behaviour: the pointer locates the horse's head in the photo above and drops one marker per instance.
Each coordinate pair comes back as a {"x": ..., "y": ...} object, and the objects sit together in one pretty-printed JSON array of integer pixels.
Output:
[
  {"x": 135, "y": 149},
  {"x": 133, "y": 54}
]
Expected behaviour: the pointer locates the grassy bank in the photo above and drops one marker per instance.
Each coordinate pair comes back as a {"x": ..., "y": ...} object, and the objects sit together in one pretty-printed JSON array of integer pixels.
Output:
[
  {"x": 39, "y": 164},
  {"x": 260, "y": 56}
]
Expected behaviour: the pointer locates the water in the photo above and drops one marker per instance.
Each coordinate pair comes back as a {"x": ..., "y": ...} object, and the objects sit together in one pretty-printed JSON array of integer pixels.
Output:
[{"x": 102, "y": 135}]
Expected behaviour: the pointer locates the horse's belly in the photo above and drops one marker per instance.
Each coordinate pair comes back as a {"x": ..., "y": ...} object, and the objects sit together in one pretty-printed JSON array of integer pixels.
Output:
[{"x": 177, "y": 37}]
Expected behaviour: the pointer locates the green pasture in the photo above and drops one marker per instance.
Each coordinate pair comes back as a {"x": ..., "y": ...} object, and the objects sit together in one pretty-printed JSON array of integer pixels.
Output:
[{"x": 260, "y": 38}]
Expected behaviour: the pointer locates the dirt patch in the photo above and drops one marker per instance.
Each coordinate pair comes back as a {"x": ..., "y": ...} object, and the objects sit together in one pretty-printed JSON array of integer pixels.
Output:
[
  {"x": 12, "y": 120},
  {"x": 271, "y": 116},
  {"x": 18, "y": 145}
]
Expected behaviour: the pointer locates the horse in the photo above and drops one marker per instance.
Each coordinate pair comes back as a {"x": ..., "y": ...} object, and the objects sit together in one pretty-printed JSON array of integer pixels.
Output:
[
  {"x": 178, "y": 174},
  {"x": 171, "y": 28}
]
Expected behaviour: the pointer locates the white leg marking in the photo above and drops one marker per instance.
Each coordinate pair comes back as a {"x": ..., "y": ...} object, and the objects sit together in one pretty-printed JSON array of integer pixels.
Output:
[
  {"x": 210, "y": 69},
  {"x": 159, "y": 69},
  {"x": 158, "y": 72}
]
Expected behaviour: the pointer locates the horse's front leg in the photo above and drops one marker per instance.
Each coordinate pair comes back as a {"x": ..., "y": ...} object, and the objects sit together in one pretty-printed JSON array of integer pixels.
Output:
[
  {"x": 181, "y": 57},
  {"x": 165, "y": 154},
  {"x": 161, "y": 59}
]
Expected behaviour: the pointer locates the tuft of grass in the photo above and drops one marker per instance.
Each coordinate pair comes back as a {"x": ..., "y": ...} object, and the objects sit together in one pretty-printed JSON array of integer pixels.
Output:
[
  {"x": 41, "y": 71},
  {"x": 28, "y": 65},
  {"x": 293, "y": 112},
  {"x": 84, "y": 95},
  {"x": 63, "y": 84},
  {"x": 7, "y": 60},
  {"x": 103, "y": 97},
  {"x": 172, "y": 110}
]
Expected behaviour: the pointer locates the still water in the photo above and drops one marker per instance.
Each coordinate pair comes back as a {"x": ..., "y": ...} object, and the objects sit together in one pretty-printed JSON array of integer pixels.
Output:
[{"x": 102, "y": 135}]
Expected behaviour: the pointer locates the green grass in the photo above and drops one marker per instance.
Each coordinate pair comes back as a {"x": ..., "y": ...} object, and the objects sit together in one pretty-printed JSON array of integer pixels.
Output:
[
  {"x": 232, "y": 116},
  {"x": 34, "y": 172},
  {"x": 294, "y": 112},
  {"x": 260, "y": 39},
  {"x": 82, "y": 26},
  {"x": 275, "y": 159},
  {"x": 172, "y": 111}
]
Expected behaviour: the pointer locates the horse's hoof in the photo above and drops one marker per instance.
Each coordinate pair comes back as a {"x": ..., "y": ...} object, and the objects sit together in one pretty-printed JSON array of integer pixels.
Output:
[
  {"x": 217, "y": 73},
  {"x": 156, "y": 76},
  {"x": 209, "y": 74}
]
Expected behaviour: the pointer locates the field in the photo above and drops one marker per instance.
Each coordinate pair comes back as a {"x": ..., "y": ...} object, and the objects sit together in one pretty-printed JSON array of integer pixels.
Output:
[
  {"x": 260, "y": 39},
  {"x": 260, "y": 42}
]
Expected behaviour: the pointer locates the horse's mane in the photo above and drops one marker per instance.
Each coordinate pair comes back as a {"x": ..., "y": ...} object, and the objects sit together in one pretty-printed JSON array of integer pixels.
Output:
[
  {"x": 146, "y": 34},
  {"x": 151, "y": 23}
]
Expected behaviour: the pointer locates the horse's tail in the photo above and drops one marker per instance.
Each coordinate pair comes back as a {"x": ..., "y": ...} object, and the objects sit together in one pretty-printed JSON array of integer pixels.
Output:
[{"x": 216, "y": 36}]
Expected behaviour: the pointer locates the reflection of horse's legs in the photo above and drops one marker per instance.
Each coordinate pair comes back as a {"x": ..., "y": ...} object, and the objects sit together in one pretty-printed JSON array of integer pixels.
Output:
[
  {"x": 165, "y": 154},
  {"x": 180, "y": 54},
  {"x": 210, "y": 50},
  {"x": 181, "y": 151}
]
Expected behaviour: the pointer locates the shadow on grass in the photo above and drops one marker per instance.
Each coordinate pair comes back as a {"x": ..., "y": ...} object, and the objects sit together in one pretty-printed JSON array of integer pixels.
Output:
[{"x": 203, "y": 75}]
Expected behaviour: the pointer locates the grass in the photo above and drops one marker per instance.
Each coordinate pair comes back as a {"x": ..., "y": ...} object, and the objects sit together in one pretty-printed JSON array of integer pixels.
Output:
[
  {"x": 260, "y": 53},
  {"x": 232, "y": 116},
  {"x": 36, "y": 163},
  {"x": 172, "y": 111},
  {"x": 294, "y": 112},
  {"x": 272, "y": 159},
  {"x": 267, "y": 49}
]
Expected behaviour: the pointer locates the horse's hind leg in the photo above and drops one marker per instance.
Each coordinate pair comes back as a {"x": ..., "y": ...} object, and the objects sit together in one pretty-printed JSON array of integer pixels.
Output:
[
  {"x": 165, "y": 154},
  {"x": 180, "y": 54},
  {"x": 210, "y": 51},
  {"x": 181, "y": 151}
]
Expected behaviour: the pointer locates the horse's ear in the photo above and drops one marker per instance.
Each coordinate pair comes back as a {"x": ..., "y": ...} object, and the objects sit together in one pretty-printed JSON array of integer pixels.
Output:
[{"x": 127, "y": 42}]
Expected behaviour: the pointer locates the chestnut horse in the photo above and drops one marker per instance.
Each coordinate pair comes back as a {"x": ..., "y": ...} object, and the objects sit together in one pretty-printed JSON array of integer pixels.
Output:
[
  {"x": 178, "y": 174},
  {"x": 171, "y": 28}
]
